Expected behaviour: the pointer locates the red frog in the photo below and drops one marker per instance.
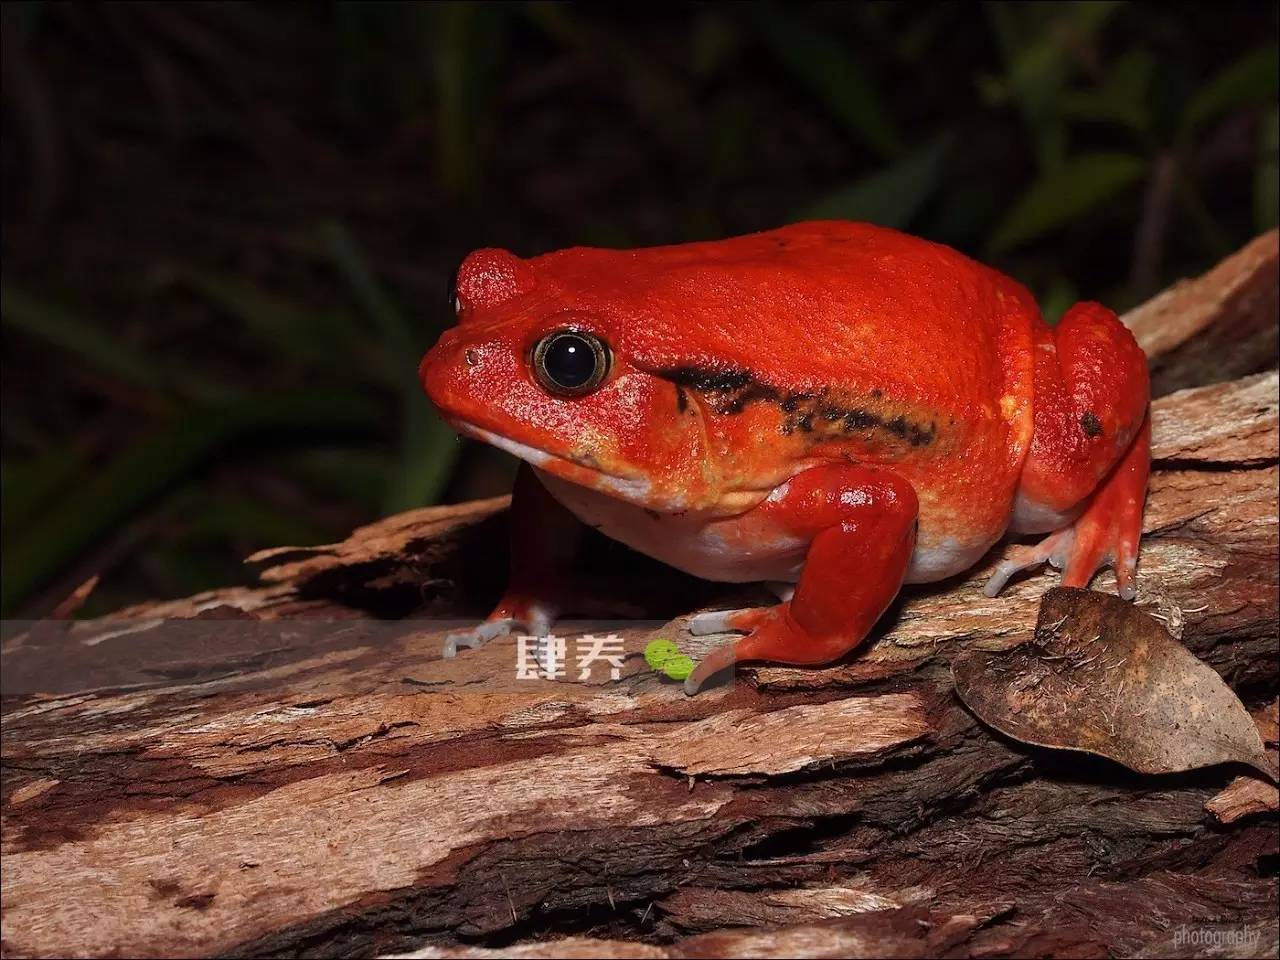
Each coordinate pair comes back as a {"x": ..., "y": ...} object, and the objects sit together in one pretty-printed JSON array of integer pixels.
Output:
[{"x": 834, "y": 407}]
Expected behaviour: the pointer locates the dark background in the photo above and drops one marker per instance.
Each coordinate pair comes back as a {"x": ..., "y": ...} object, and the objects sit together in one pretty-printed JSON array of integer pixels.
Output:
[{"x": 228, "y": 228}]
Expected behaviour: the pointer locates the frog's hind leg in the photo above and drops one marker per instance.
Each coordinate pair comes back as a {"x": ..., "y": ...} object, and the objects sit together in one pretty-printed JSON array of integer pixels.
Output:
[
  {"x": 1106, "y": 534},
  {"x": 1086, "y": 472}
]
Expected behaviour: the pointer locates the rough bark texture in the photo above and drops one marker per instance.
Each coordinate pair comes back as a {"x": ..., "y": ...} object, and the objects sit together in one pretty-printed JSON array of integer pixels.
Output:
[
  {"x": 292, "y": 769},
  {"x": 1217, "y": 327}
]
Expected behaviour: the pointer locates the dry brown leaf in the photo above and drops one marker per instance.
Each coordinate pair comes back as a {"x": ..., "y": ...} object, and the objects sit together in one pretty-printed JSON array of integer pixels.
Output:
[{"x": 1102, "y": 677}]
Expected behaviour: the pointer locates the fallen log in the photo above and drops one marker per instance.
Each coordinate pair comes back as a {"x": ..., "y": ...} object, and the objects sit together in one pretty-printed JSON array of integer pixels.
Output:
[
  {"x": 1216, "y": 327},
  {"x": 292, "y": 769}
]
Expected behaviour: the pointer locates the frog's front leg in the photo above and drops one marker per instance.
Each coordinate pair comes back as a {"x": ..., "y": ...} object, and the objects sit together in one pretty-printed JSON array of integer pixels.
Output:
[
  {"x": 1085, "y": 476},
  {"x": 544, "y": 539},
  {"x": 861, "y": 525}
]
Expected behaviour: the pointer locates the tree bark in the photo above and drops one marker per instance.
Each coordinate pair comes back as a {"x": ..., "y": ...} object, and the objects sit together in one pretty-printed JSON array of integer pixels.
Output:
[{"x": 292, "y": 769}]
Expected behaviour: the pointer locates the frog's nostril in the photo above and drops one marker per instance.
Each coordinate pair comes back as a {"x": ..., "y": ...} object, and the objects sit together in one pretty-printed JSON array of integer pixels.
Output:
[{"x": 472, "y": 357}]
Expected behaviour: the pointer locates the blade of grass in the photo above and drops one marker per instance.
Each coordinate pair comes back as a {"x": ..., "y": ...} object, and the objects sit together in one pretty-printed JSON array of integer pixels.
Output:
[
  {"x": 31, "y": 484},
  {"x": 1266, "y": 178},
  {"x": 428, "y": 447},
  {"x": 1039, "y": 44},
  {"x": 326, "y": 338},
  {"x": 831, "y": 71},
  {"x": 1122, "y": 99},
  {"x": 219, "y": 516},
  {"x": 657, "y": 93},
  {"x": 398, "y": 340},
  {"x": 354, "y": 474},
  {"x": 429, "y": 451},
  {"x": 466, "y": 42},
  {"x": 60, "y": 327},
  {"x": 1080, "y": 185},
  {"x": 134, "y": 480},
  {"x": 891, "y": 196},
  {"x": 1251, "y": 79}
]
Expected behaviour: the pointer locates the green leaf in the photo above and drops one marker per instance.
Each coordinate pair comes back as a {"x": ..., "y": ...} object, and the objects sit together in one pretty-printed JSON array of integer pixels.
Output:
[
  {"x": 59, "y": 327},
  {"x": 890, "y": 197},
  {"x": 1266, "y": 178},
  {"x": 135, "y": 479},
  {"x": 354, "y": 474},
  {"x": 399, "y": 342},
  {"x": 658, "y": 651},
  {"x": 428, "y": 447},
  {"x": 679, "y": 668},
  {"x": 332, "y": 340},
  {"x": 1251, "y": 79},
  {"x": 466, "y": 45},
  {"x": 1078, "y": 187},
  {"x": 1122, "y": 99},
  {"x": 831, "y": 71},
  {"x": 32, "y": 483},
  {"x": 665, "y": 657},
  {"x": 1039, "y": 43},
  {"x": 428, "y": 451},
  {"x": 1058, "y": 299},
  {"x": 218, "y": 515}
]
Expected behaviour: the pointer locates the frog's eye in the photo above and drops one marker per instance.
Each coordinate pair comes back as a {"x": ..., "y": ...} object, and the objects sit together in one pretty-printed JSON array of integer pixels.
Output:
[
  {"x": 571, "y": 362},
  {"x": 451, "y": 296}
]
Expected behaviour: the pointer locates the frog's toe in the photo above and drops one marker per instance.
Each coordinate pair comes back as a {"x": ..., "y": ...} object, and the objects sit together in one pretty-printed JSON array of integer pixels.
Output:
[
  {"x": 1054, "y": 549},
  {"x": 717, "y": 621},
  {"x": 716, "y": 661},
  {"x": 759, "y": 624},
  {"x": 477, "y": 636}
]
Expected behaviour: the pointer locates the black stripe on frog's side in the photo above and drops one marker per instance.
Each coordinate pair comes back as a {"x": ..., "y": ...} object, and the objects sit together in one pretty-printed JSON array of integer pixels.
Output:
[
  {"x": 736, "y": 389},
  {"x": 732, "y": 391},
  {"x": 848, "y": 419},
  {"x": 707, "y": 381}
]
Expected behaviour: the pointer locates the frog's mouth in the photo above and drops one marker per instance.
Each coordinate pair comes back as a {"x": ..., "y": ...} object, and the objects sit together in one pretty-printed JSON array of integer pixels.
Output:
[{"x": 636, "y": 489}]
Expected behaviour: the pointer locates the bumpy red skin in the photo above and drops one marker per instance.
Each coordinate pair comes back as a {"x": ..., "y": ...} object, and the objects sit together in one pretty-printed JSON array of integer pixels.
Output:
[
  {"x": 1091, "y": 396},
  {"x": 916, "y": 393}
]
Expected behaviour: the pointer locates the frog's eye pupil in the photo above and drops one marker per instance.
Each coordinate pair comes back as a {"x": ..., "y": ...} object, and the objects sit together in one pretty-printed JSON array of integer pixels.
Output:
[{"x": 570, "y": 362}]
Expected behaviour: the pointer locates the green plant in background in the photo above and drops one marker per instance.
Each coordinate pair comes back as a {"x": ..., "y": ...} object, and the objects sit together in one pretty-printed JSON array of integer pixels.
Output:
[
  {"x": 364, "y": 355},
  {"x": 230, "y": 371}
]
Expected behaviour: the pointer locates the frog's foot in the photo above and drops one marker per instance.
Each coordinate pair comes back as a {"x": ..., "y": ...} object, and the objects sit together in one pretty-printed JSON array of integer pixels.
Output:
[
  {"x": 767, "y": 633},
  {"x": 772, "y": 634},
  {"x": 477, "y": 636},
  {"x": 1057, "y": 550},
  {"x": 1106, "y": 534},
  {"x": 528, "y": 617}
]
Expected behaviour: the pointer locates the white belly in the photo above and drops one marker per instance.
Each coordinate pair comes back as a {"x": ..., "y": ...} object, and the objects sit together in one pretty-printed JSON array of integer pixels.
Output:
[
  {"x": 690, "y": 542},
  {"x": 736, "y": 549}
]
